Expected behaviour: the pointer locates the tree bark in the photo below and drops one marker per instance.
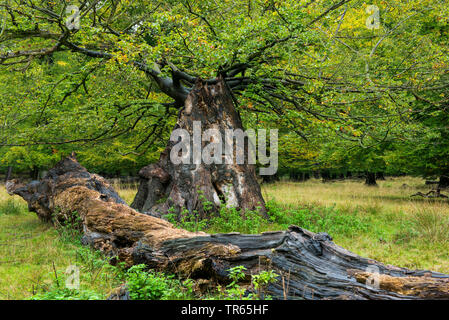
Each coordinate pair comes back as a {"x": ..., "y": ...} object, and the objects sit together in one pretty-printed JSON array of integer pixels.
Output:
[
  {"x": 444, "y": 182},
  {"x": 370, "y": 179},
  {"x": 8, "y": 173},
  {"x": 310, "y": 266},
  {"x": 183, "y": 188}
]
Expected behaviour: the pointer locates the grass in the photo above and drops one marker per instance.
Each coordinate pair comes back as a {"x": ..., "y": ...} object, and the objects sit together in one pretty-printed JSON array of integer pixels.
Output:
[
  {"x": 404, "y": 231},
  {"x": 382, "y": 223},
  {"x": 34, "y": 257}
]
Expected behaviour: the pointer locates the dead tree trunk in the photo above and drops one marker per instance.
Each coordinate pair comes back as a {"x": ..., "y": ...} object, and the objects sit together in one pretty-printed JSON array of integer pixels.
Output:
[
  {"x": 167, "y": 186},
  {"x": 310, "y": 265}
]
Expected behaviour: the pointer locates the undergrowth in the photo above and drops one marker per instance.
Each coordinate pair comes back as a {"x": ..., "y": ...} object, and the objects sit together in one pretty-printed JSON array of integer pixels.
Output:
[{"x": 317, "y": 219}]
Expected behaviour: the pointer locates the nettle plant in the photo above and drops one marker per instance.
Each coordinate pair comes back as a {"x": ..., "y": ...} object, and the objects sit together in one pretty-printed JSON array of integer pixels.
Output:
[
  {"x": 227, "y": 219},
  {"x": 146, "y": 284},
  {"x": 256, "y": 290}
]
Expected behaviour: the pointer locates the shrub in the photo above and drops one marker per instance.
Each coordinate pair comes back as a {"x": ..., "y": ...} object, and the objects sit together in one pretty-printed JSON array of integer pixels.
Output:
[
  {"x": 150, "y": 285},
  {"x": 259, "y": 283},
  {"x": 231, "y": 220}
]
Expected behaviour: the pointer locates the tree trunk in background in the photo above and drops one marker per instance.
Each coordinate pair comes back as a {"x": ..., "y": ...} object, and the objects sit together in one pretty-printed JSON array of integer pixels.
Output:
[
  {"x": 370, "y": 179},
  {"x": 309, "y": 265},
  {"x": 380, "y": 176},
  {"x": 325, "y": 175},
  {"x": 294, "y": 176},
  {"x": 8, "y": 173},
  {"x": 35, "y": 173},
  {"x": 270, "y": 179},
  {"x": 166, "y": 186},
  {"x": 444, "y": 182}
]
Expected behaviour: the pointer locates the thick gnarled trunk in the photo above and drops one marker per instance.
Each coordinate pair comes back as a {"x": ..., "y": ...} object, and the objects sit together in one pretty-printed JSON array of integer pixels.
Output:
[
  {"x": 185, "y": 188},
  {"x": 310, "y": 265}
]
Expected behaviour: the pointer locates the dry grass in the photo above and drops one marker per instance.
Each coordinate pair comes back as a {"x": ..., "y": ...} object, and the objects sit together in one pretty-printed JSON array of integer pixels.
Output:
[
  {"x": 126, "y": 192},
  {"x": 392, "y": 195},
  {"x": 406, "y": 231}
]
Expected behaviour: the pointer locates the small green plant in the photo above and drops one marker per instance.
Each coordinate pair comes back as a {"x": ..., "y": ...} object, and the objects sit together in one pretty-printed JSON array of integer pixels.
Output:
[
  {"x": 262, "y": 280},
  {"x": 207, "y": 205},
  {"x": 68, "y": 294},
  {"x": 236, "y": 274},
  {"x": 187, "y": 220},
  {"x": 150, "y": 285},
  {"x": 259, "y": 283},
  {"x": 233, "y": 291}
]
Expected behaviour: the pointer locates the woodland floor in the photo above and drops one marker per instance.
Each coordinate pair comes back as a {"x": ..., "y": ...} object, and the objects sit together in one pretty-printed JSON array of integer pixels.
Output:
[{"x": 382, "y": 223}]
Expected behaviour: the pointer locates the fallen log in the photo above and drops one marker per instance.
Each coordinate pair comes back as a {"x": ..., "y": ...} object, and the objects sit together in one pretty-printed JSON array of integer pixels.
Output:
[
  {"x": 310, "y": 266},
  {"x": 431, "y": 194}
]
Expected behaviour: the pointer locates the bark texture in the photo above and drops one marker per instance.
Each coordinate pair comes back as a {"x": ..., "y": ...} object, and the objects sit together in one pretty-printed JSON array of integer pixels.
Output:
[
  {"x": 444, "y": 182},
  {"x": 310, "y": 265},
  {"x": 166, "y": 186},
  {"x": 370, "y": 179}
]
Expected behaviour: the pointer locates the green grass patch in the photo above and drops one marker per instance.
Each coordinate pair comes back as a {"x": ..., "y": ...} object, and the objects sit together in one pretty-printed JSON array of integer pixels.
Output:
[{"x": 12, "y": 206}]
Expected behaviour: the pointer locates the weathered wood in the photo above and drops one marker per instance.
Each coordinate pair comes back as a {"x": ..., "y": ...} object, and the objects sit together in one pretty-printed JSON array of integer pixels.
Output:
[
  {"x": 310, "y": 265},
  {"x": 165, "y": 185},
  {"x": 431, "y": 194}
]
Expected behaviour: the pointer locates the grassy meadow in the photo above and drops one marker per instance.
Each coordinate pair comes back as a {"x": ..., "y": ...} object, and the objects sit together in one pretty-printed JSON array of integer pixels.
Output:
[
  {"x": 401, "y": 230},
  {"x": 383, "y": 223}
]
